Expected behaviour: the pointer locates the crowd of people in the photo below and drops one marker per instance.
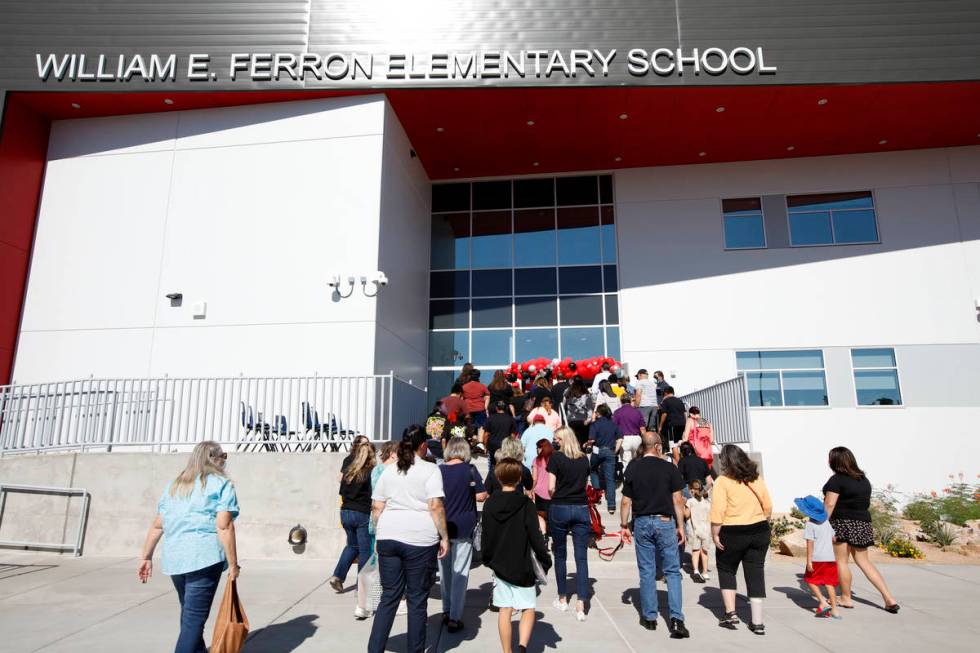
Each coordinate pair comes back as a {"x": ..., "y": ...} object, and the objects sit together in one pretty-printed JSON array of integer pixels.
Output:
[{"x": 554, "y": 450}]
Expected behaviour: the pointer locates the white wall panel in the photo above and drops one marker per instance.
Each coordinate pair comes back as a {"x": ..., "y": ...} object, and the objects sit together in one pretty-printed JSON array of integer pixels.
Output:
[
  {"x": 98, "y": 242},
  {"x": 148, "y": 132},
  {"x": 44, "y": 356}
]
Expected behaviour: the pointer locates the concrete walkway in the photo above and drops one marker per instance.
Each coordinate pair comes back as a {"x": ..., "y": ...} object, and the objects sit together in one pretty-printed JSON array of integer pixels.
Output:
[{"x": 57, "y": 603}]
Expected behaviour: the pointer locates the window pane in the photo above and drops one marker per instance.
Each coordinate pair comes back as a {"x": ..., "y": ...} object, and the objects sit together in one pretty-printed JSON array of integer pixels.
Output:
[
  {"x": 610, "y": 278},
  {"x": 606, "y": 189},
  {"x": 824, "y": 201},
  {"x": 489, "y": 283},
  {"x": 448, "y": 348},
  {"x": 536, "y": 311},
  {"x": 608, "y": 232},
  {"x": 450, "y": 241},
  {"x": 535, "y": 281},
  {"x": 578, "y": 235},
  {"x": 440, "y": 383},
  {"x": 585, "y": 309},
  {"x": 577, "y": 190},
  {"x": 877, "y": 388},
  {"x": 743, "y": 206},
  {"x": 536, "y": 343},
  {"x": 451, "y": 197},
  {"x": 808, "y": 229},
  {"x": 492, "y": 312},
  {"x": 535, "y": 240},
  {"x": 579, "y": 280},
  {"x": 449, "y": 284},
  {"x": 492, "y": 242},
  {"x": 581, "y": 343},
  {"x": 883, "y": 357},
  {"x": 612, "y": 342},
  {"x": 763, "y": 388},
  {"x": 449, "y": 314},
  {"x": 492, "y": 348},
  {"x": 744, "y": 232},
  {"x": 804, "y": 389},
  {"x": 612, "y": 309},
  {"x": 855, "y": 227},
  {"x": 491, "y": 195},
  {"x": 534, "y": 192},
  {"x": 790, "y": 360},
  {"x": 748, "y": 360}
]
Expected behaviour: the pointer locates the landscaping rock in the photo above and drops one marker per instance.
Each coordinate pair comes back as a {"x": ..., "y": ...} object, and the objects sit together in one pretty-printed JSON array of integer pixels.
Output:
[{"x": 793, "y": 544}]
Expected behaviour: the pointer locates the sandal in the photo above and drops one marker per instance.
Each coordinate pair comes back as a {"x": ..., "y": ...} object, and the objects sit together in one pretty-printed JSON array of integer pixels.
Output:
[
  {"x": 758, "y": 629},
  {"x": 730, "y": 620},
  {"x": 893, "y": 608},
  {"x": 821, "y": 612}
]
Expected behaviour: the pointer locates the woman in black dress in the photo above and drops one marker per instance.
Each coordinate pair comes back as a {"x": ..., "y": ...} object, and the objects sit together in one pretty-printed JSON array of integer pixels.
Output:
[{"x": 847, "y": 499}]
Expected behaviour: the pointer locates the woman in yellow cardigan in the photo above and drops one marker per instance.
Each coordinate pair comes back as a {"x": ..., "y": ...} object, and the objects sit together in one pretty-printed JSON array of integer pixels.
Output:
[{"x": 740, "y": 510}]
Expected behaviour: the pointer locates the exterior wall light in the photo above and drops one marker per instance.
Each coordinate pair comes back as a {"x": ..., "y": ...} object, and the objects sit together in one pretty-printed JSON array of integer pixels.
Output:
[{"x": 297, "y": 535}]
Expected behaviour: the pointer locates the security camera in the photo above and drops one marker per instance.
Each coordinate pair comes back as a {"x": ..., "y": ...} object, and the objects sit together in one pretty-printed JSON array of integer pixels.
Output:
[
  {"x": 381, "y": 279},
  {"x": 334, "y": 281}
]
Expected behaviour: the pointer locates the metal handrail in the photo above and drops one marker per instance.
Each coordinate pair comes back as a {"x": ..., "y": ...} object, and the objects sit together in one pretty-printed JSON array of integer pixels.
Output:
[
  {"x": 726, "y": 406},
  {"x": 278, "y": 413},
  {"x": 76, "y": 548}
]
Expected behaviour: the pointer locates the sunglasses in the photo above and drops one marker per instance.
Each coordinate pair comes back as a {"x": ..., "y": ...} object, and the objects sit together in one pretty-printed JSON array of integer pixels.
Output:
[{"x": 223, "y": 456}]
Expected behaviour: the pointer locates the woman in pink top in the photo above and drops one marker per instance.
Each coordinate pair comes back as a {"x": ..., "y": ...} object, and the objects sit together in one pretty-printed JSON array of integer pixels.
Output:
[
  {"x": 552, "y": 418},
  {"x": 539, "y": 472}
]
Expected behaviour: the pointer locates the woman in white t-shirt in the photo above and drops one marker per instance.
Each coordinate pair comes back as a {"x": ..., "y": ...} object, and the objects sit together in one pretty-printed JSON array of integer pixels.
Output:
[{"x": 411, "y": 534}]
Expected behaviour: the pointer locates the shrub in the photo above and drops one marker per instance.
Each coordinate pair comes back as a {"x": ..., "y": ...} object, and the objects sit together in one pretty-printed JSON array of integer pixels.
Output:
[
  {"x": 921, "y": 510},
  {"x": 941, "y": 534},
  {"x": 779, "y": 528},
  {"x": 958, "y": 503},
  {"x": 797, "y": 514},
  {"x": 903, "y": 548},
  {"x": 884, "y": 515}
]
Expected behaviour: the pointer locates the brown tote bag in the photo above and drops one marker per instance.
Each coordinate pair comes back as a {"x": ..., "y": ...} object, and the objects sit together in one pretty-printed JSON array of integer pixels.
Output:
[{"x": 231, "y": 625}]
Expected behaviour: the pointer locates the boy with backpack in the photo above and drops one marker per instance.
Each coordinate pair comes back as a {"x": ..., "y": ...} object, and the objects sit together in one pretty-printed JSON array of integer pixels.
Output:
[{"x": 510, "y": 537}]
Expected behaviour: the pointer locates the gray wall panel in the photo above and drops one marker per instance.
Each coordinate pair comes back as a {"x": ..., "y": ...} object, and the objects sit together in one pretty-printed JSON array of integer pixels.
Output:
[
  {"x": 939, "y": 375},
  {"x": 811, "y": 41}
]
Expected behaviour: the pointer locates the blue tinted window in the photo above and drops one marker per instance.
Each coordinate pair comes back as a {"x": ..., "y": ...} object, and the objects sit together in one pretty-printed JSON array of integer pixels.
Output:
[
  {"x": 608, "y": 234},
  {"x": 804, "y": 388},
  {"x": 582, "y": 343},
  {"x": 810, "y": 229},
  {"x": 449, "y": 314},
  {"x": 582, "y": 309},
  {"x": 448, "y": 348},
  {"x": 855, "y": 227},
  {"x": 830, "y": 201},
  {"x": 776, "y": 360},
  {"x": 764, "y": 388},
  {"x": 535, "y": 281},
  {"x": 584, "y": 279},
  {"x": 578, "y": 235},
  {"x": 877, "y": 388},
  {"x": 492, "y": 243},
  {"x": 440, "y": 382},
  {"x": 536, "y": 311},
  {"x": 612, "y": 310},
  {"x": 491, "y": 312},
  {"x": 535, "y": 238},
  {"x": 791, "y": 378},
  {"x": 490, "y": 283},
  {"x": 449, "y": 284},
  {"x": 880, "y": 357},
  {"x": 747, "y": 232},
  {"x": 491, "y": 348},
  {"x": 450, "y": 241},
  {"x": 612, "y": 342},
  {"x": 610, "y": 278},
  {"x": 536, "y": 343}
]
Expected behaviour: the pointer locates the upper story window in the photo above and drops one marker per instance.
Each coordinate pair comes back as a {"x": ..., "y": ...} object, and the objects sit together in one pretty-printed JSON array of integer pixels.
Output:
[
  {"x": 831, "y": 219},
  {"x": 744, "y": 224},
  {"x": 784, "y": 378},
  {"x": 876, "y": 377}
]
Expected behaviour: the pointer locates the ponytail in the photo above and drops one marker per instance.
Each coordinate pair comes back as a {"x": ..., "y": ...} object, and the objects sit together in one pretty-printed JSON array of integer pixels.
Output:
[{"x": 406, "y": 456}]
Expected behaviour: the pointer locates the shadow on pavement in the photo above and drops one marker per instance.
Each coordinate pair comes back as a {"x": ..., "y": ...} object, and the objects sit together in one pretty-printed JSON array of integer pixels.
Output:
[
  {"x": 711, "y": 600},
  {"x": 282, "y": 637}
]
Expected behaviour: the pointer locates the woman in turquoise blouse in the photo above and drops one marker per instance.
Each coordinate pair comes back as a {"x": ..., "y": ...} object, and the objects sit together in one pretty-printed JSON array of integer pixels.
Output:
[{"x": 196, "y": 518}]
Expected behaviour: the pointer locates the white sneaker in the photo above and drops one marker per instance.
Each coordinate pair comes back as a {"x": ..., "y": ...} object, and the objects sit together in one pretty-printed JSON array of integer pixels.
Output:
[
  {"x": 579, "y": 615},
  {"x": 561, "y": 605},
  {"x": 361, "y": 614},
  {"x": 706, "y": 575}
]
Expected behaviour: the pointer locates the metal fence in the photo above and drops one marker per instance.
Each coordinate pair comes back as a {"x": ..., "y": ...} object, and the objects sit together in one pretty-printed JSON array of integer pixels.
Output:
[
  {"x": 318, "y": 413},
  {"x": 726, "y": 406}
]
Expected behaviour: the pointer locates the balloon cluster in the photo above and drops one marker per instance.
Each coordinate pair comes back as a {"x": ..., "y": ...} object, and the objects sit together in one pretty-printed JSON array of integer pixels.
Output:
[{"x": 587, "y": 368}]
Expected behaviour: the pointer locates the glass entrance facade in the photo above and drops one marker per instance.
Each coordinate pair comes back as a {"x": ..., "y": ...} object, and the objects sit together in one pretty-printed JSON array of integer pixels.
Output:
[{"x": 521, "y": 269}]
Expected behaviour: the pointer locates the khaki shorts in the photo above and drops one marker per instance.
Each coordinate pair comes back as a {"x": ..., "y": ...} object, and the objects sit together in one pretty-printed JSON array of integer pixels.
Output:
[{"x": 697, "y": 542}]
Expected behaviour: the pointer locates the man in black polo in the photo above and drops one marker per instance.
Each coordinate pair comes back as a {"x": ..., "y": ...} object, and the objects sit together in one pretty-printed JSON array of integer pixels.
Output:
[
  {"x": 673, "y": 416},
  {"x": 652, "y": 494}
]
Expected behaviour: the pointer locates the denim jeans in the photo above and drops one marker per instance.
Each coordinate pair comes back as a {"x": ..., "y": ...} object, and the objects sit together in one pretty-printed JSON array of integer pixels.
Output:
[
  {"x": 605, "y": 458},
  {"x": 405, "y": 570},
  {"x": 655, "y": 537},
  {"x": 575, "y": 519},
  {"x": 455, "y": 577},
  {"x": 358, "y": 542},
  {"x": 196, "y": 593}
]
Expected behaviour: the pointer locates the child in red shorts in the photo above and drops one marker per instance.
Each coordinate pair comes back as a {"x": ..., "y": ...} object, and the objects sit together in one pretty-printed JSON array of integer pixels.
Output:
[{"x": 821, "y": 565}]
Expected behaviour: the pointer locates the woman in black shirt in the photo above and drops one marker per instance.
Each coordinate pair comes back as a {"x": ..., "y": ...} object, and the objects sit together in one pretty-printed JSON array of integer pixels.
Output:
[
  {"x": 500, "y": 390},
  {"x": 355, "y": 512},
  {"x": 568, "y": 475},
  {"x": 847, "y": 499},
  {"x": 692, "y": 468}
]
